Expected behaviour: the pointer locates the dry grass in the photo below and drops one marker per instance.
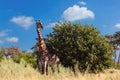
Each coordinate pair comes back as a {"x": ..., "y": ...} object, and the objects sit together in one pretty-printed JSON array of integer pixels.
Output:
[{"x": 12, "y": 71}]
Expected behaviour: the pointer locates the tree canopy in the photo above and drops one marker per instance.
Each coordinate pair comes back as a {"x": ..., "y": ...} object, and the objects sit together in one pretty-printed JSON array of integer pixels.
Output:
[{"x": 80, "y": 45}]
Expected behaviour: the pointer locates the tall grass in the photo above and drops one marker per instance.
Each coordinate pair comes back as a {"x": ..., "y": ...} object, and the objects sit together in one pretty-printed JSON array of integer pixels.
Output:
[{"x": 10, "y": 70}]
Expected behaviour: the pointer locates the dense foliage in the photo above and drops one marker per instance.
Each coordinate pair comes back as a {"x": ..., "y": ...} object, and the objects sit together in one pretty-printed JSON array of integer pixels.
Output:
[{"x": 80, "y": 47}]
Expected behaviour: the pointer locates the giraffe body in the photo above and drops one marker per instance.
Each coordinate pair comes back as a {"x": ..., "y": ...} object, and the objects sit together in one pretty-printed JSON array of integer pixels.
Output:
[{"x": 44, "y": 58}]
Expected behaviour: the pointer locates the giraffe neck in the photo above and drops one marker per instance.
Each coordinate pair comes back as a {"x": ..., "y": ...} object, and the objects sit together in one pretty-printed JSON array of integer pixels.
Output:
[
  {"x": 39, "y": 34},
  {"x": 42, "y": 45}
]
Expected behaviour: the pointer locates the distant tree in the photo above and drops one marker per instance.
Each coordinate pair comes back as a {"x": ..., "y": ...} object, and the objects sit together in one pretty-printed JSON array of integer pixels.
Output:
[
  {"x": 1, "y": 54},
  {"x": 117, "y": 38},
  {"x": 11, "y": 51},
  {"x": 114, "y": 40},
  {"x": 2, "y": 50},
  {"x": 80, "y": 45},
  {"x": 14, "y": 51}
]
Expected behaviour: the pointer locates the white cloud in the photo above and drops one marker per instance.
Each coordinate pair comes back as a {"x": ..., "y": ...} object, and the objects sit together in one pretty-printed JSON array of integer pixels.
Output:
[
  {"x": 51, "y": 24},
  {"x": 82, "y": 3},
  {"x": 1, "y": 41},
  {"x": 77, "y": 13},
  {"x": 117, "y": 25},
  {"x": 23, "y": 21},
  {"x": 4, "y": 33},
  {"x": 12, "y": 39}
]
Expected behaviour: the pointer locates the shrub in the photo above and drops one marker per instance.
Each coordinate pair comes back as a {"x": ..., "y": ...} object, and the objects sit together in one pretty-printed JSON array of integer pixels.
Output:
[{"x": 80, "y": 47}]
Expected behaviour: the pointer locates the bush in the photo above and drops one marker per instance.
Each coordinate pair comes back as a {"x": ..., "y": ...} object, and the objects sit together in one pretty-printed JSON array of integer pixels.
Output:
[
  {"x": 80, "y": 47},
  {"x": 29, "y": 58}
]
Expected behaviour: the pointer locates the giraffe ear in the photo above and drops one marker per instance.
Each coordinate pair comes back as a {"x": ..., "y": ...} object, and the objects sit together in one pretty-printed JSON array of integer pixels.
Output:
[{"x": 41, "y": 25}]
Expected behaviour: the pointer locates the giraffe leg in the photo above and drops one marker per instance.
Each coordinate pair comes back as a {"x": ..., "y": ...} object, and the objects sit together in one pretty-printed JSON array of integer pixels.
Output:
[
  {"x": 45, "y": 65},
  {"x": 40, "y": 68},
  {"x": 58, "y": 67},
  {"x": 47, "y": 69},
  {"x": 53, "y": 70},
  {"x": 38, "y": 65}
]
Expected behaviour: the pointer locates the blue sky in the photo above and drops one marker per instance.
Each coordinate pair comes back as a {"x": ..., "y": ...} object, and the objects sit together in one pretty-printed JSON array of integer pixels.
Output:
[{"x": 17, "y": 18}]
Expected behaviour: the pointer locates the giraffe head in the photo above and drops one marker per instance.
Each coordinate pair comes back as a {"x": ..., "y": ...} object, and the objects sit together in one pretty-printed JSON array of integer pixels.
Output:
[{"x": 39, "y": 24}]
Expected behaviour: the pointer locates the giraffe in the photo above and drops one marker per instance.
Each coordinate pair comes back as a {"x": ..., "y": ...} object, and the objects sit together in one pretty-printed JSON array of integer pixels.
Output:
[{"x": 44, "y": 58}]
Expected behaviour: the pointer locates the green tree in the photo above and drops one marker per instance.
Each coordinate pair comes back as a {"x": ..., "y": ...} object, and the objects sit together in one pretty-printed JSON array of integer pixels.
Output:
[
  {"x": 117, "y": 39},
  {"x": 80, "y": 45},
  {"x": 114, "y": 40}
]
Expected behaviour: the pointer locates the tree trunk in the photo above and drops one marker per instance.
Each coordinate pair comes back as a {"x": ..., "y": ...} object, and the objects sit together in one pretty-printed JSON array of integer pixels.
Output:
[
  {"x": 119, "y": 58},
  {"x": 115, "y": 58}
]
